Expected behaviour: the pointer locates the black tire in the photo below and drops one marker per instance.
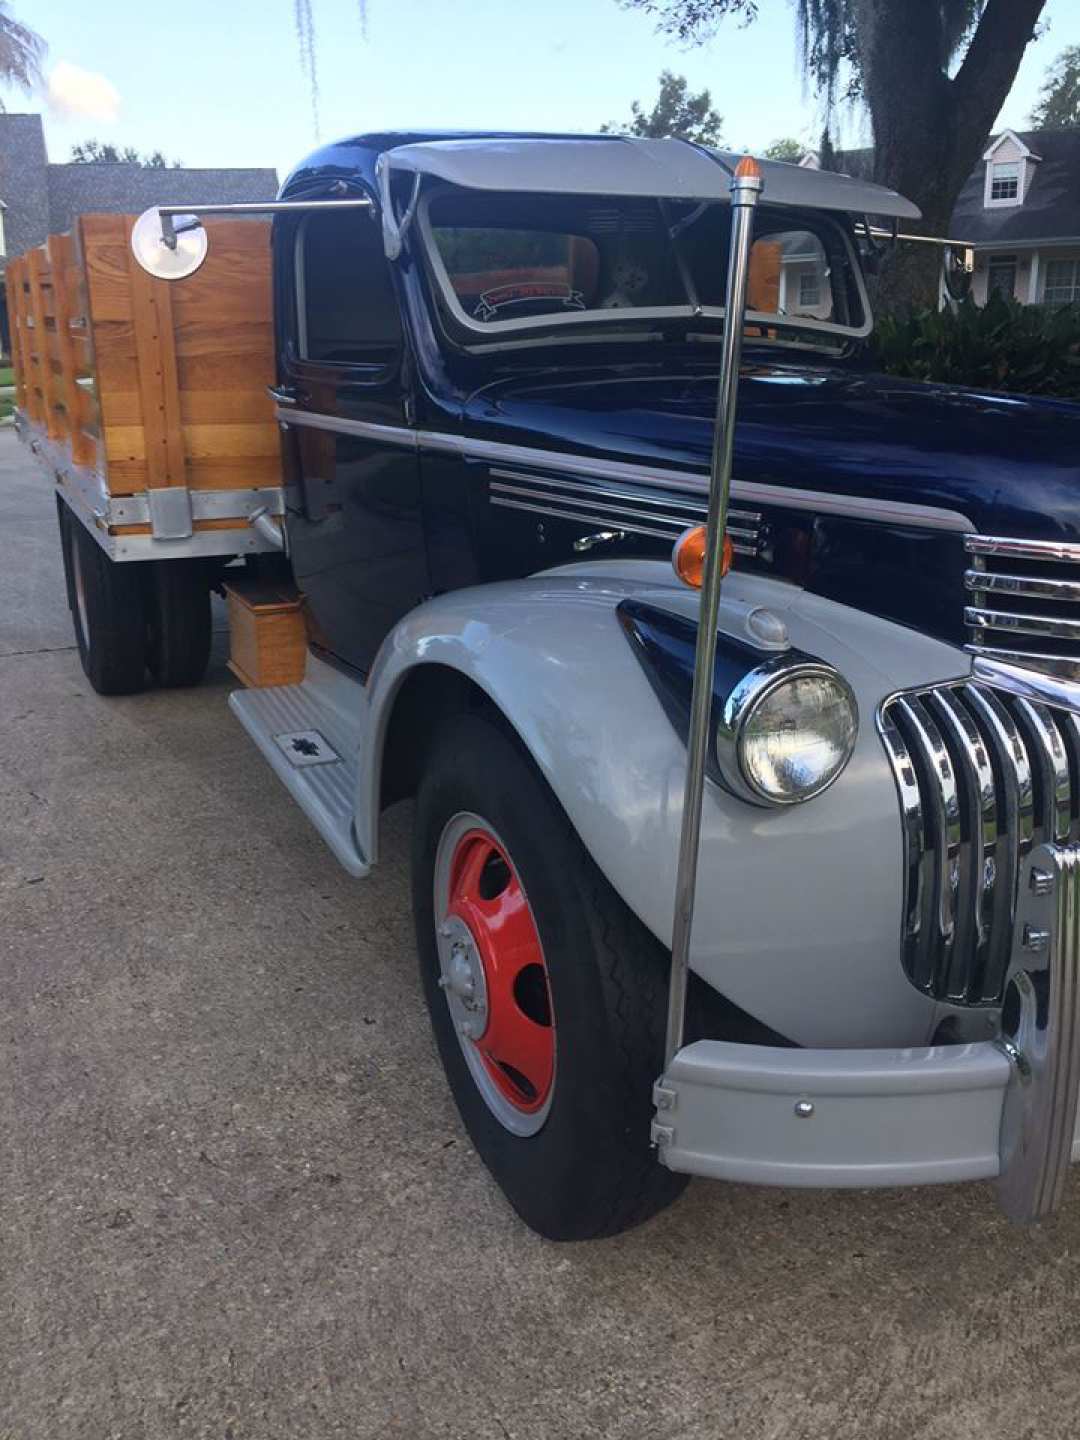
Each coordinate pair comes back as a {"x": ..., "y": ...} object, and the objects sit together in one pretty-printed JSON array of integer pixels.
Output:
[
  {"x": 107, "y": 611},
  {"x": 177, "y": 596},
  {"x": 590, "y": 1171}
]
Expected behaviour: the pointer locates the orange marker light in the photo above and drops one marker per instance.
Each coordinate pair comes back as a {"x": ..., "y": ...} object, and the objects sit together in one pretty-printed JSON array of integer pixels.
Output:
[
  {"x": 748, "y": 167},
  {"x": 688, "y": 556}
]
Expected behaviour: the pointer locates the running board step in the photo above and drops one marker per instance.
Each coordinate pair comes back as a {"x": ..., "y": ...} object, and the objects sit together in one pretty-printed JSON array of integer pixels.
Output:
[{"x": 315, "y": 763}]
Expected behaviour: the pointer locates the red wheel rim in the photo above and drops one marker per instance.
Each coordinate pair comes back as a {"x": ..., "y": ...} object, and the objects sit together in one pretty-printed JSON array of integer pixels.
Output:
[{"x": 517, "y": 1043}]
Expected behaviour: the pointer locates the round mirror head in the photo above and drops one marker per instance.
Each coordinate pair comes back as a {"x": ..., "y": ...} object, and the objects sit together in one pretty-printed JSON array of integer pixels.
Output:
[
  {"x": 163, "y": 261},
  {"x": 955, "y": 273}
]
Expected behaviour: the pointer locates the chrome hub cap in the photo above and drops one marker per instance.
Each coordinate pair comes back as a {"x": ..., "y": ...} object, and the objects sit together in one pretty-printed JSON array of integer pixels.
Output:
[{"x": 462, "y": 978}]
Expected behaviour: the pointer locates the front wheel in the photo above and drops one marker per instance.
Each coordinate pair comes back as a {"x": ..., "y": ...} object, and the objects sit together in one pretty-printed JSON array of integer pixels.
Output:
[{"x": 547, "y": 996}]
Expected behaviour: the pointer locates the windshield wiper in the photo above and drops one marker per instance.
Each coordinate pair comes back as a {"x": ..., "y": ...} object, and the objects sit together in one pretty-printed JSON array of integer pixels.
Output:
[{"x": 674, "y": 230}]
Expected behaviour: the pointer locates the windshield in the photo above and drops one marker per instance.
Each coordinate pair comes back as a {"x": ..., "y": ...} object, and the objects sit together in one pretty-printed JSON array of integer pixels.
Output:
[{"x": 523, "y": 262}]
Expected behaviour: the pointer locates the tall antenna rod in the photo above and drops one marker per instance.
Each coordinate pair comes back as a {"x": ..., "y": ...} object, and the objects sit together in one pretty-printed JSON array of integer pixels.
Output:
[{"x": 745, "y": 192}]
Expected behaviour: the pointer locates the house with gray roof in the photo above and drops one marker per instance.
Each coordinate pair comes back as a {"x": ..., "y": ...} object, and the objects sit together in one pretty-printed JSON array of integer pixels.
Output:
[
  {"x": 1019, "y": 210},
  {"x": 38, "y": 199}
]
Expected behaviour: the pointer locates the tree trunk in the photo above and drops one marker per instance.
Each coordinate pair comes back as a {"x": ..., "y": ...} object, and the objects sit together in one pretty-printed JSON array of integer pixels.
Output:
[{"x": 930, "y": 130}]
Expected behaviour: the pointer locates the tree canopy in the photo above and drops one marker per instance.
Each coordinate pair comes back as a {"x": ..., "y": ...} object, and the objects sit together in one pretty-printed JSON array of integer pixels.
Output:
[
  {"x": 932, "y": 74},
  {"x": 1059, "y": 98},
  {"x": 94, "y": 152},
  {"x": 21, "y": 52},
  {"x": 676, "y": 113},
  {"x": 786, "y": 148}
]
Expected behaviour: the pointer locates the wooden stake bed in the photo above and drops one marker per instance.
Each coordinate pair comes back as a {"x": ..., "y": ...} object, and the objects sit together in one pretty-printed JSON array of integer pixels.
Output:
[{"x": 127, "y": 384}]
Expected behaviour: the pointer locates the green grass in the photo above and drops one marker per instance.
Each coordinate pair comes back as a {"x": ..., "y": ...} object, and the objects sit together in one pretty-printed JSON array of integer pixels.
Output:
[{"x": 7, "y": 375}]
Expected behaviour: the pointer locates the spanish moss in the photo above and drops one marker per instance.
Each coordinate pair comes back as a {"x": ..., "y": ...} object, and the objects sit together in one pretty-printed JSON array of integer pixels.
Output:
[{"x": 305, "y": 34}]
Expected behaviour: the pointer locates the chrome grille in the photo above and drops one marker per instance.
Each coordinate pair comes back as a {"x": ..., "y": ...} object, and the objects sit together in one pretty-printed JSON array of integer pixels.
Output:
[
  {"x": 982, "y": 775},
  {"x": 1023, "y": 602}
]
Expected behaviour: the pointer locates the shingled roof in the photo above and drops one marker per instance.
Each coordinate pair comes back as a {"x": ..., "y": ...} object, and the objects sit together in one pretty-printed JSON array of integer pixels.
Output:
[
  {"x": 1051, "y": 207},
  {"x": 41, "y": 199}
]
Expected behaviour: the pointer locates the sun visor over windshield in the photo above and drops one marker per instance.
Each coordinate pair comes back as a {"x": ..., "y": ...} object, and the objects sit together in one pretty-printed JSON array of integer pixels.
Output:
[{"x": 619, "y": 165}]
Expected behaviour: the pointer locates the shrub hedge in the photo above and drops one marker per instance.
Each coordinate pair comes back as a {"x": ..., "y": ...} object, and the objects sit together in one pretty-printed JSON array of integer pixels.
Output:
[{"x": 1002, "y": 345}]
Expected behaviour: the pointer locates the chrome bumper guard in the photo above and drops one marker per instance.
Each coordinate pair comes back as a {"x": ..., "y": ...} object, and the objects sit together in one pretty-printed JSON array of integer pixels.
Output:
[{"x": 1005, "y": 1108}]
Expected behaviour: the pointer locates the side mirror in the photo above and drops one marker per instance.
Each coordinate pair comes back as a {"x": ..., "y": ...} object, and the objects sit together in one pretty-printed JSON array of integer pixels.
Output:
[
  {"x": 957, "y": 269},
  {"x": 169, "y": 247}
]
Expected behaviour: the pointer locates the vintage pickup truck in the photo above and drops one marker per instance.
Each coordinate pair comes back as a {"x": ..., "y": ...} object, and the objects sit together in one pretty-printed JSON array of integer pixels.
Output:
[{"x": 494, "y": 380}]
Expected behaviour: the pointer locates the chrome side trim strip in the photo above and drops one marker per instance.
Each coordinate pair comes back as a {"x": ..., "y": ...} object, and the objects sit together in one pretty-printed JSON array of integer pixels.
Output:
[
  {"x": 598, "y": 508},
  {"x": 566, "y": 492},
  {"x": 1035, "y": 586},
  {"x": 559, "y": 514},
  {"x": 745, "y": 522},
  {"x": 929, "y": 517},
  {"x": 1005, "y": 545}
]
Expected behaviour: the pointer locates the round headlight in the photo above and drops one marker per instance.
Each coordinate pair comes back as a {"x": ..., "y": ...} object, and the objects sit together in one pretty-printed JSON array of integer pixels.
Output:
[{"x": 794, "y": 732}]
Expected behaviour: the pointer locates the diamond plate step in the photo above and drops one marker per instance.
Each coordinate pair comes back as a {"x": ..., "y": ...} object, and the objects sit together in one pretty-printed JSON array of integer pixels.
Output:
[{"x": 312, "y": 757}]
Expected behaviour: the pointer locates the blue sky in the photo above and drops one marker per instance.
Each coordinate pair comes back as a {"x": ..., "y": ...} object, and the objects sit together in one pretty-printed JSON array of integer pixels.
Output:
[{"x": 218, "y": 82}]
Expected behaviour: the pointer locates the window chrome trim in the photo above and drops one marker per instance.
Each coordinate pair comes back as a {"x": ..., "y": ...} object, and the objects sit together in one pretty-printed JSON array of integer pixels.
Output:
[
  {"x": 928, "y": 517},
  {"x": 633, "y": 314}
]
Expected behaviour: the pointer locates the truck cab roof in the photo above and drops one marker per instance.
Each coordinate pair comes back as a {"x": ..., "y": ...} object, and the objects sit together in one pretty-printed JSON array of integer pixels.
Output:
[{"x": 612, "y": 165}]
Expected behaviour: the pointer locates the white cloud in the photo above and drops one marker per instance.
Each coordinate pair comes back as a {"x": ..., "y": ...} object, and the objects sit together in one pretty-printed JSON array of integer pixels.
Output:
[{"x": 74, "y": 92}]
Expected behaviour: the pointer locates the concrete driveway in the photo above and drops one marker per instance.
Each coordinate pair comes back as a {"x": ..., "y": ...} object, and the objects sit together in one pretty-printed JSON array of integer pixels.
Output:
[{"x": 235, "y": 1199}]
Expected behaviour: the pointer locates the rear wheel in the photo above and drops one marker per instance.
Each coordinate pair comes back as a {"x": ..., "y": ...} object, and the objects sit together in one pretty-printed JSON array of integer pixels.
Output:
[
  {"x": 547, "y": 996},
  {"x": 107, "y": 610},
  {"x": 177, "y": 598}
]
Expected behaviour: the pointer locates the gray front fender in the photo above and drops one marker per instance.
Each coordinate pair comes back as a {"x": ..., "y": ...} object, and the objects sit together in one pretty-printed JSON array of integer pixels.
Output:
[{"x": 798, "y": 912}]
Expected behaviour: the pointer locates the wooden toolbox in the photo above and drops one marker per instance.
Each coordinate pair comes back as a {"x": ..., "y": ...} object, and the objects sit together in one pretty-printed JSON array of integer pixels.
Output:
[{"x": 267, "y": 634}]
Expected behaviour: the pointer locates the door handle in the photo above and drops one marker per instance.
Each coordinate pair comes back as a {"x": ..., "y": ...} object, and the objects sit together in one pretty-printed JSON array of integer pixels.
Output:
[
  {"x": 282, "y": 394},
  {"x": 602, "y": 537}
]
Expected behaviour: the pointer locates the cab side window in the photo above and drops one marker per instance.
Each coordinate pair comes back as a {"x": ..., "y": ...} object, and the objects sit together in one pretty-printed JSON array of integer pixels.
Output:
[{"x": 347, "y": 313}]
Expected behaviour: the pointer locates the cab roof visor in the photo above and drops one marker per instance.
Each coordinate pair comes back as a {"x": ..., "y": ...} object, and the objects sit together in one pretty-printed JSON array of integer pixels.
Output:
[{"x": 625, "y": 166}]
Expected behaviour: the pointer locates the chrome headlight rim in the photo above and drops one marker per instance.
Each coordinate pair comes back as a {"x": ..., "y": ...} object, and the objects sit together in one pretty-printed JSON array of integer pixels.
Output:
[{"x": 745, "y": 697}]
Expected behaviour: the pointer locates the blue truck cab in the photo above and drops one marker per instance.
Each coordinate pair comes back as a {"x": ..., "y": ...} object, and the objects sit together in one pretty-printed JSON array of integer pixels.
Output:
[{"x": 497, "y": 368}]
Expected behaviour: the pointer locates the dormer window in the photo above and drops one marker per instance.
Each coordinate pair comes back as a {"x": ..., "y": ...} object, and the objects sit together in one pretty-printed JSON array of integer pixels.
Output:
[
  {"x": 1005, "y": 181},
  {"x": 1010, "y": 166}
]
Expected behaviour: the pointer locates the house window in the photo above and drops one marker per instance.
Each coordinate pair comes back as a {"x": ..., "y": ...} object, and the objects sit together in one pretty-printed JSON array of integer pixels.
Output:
[
  {"x": 1005, "y": 182},
  {"x": 809, "y": 290},
  {"x": 1001, "y": 278},
  {"x": 1062, "y": 283}
]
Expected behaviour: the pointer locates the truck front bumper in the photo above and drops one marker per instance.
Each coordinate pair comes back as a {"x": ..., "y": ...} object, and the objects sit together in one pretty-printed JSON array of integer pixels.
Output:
[{"x": 1004, "y": 1109}]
